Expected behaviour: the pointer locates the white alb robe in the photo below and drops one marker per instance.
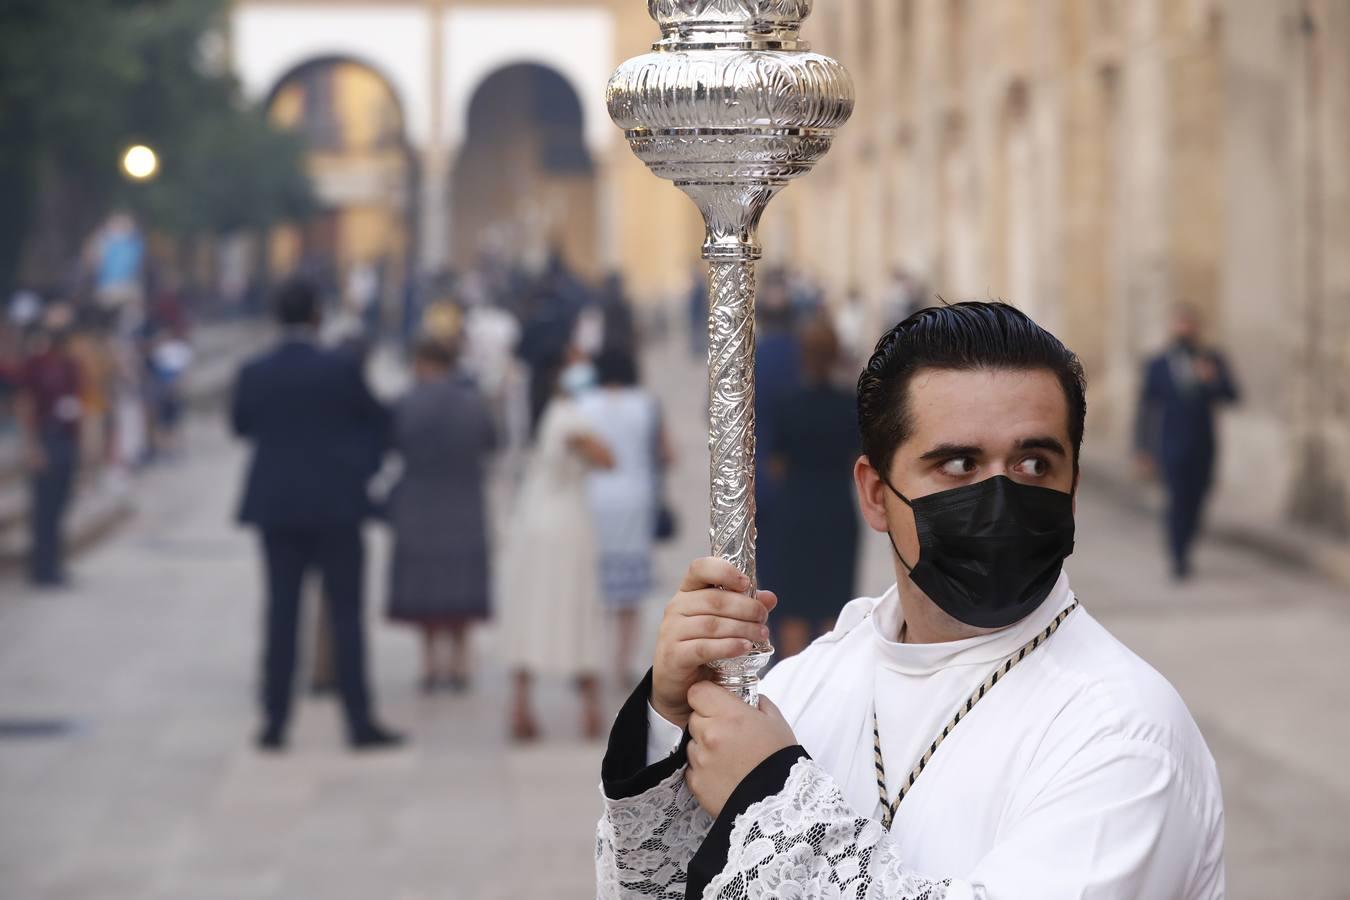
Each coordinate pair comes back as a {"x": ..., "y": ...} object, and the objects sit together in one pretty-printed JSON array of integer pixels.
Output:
[{"x": 1080, "y": 774}]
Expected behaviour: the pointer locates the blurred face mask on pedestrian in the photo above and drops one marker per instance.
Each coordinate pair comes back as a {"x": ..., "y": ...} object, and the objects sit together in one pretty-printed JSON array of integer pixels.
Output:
[
  {"x": 978, "y": 502},
  {"x": 577, "y": 377},
  {"x": 1186, "y": 328}
]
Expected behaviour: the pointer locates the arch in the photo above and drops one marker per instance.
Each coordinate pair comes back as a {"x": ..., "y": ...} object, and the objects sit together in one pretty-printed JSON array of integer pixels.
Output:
[
  {"x": 302, "y": 69},
  {"x": 269, "y": 42},
  {"x": 524, "y": 168},
  {"x": 364, "y": 171},
  {"x": 577, "y": 43}
]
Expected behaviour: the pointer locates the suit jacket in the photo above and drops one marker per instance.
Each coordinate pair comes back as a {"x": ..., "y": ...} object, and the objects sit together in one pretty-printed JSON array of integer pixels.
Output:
[
  {"x": 318, "y": 434},
  {"x": 1175, "y": 421}
]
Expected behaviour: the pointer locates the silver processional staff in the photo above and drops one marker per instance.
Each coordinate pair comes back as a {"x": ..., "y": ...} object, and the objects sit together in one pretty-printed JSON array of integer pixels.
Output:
[{"x": 730, "y": 105}]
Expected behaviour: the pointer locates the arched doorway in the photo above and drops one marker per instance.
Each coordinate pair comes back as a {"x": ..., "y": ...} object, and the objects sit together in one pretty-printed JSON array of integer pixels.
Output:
[
  {"x": 358, "y": 156},
  {"x": 524, "y": 175}
]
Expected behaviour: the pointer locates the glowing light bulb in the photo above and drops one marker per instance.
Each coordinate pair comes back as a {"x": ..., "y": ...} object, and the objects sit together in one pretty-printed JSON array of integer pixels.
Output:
[{"x": 140, "y": 162}]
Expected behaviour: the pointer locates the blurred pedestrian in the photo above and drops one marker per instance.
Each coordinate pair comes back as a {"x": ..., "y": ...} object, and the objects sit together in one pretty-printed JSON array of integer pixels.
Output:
[
  {"x": 850, "y": 327},
  {"x": 90, "y": 350},
  {"x": 777, "y": 374},
  {"x": 318, "y": 437},
  {"x": 439, "y": 577},
  {"x": 169, "y": 359},
  {"x": 1175, "y": 434},
  {"x": 815, "y": 443},
  {"x": 627, "y": 418},
  {"x": 50, "y": 414},
  {"x": 550, "y": 588},
  {"x": 697, "y": 311},
  {"x": 619, "y": 324},
  {"x": 119, "y": 260}
]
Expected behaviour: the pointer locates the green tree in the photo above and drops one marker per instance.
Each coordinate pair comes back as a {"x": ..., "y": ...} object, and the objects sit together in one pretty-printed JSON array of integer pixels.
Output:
[{"x": 79, "y": 81}]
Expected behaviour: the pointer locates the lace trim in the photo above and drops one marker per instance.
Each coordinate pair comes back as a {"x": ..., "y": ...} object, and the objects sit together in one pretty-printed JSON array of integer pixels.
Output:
[
  {"x": 806, "y": 843},
  {"x": 644, "y": 844}
]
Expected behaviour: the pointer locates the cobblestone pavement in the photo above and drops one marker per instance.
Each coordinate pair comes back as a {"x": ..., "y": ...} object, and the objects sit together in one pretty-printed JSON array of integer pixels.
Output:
[{"x": 148, "y": 788}]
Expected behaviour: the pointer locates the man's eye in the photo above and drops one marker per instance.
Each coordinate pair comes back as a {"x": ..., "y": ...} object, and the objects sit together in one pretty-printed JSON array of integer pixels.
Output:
[
  {"x": 961, "y": 465},
  {"x": 1033, "y": 466}
]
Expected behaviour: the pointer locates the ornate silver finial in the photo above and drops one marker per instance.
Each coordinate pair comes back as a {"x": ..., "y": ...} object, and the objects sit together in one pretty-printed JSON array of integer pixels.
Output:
[{"x": 731, "y": 105}]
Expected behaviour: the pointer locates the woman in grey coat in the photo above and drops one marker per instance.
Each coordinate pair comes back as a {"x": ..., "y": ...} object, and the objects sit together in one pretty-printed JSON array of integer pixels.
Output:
[{"x": 439, "y": 578}]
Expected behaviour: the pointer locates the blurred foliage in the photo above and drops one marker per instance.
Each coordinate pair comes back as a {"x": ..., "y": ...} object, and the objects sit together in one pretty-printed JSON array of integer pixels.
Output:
[{"x": 82, "y": 79}]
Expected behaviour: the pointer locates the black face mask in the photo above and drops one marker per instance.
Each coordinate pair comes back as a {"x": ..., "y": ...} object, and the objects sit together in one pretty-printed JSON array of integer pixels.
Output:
[{"x": 990, "y": 552}]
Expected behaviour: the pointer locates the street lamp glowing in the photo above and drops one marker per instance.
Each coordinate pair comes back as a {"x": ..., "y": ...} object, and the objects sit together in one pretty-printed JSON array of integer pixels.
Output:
[{"x": 140, "y": 163}]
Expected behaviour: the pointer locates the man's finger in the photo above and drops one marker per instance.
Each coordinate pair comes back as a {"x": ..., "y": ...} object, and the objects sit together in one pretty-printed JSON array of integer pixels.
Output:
[
  {"x": 714, "y": 602},
  {"x": 711, "y": 700},
  {"x": 696, "y": 627},
  {"x": 696, "y": 725},
  {"x": 713, "y": 571},
  {"x": 692, "y": 654},
  {"x": 768, "y": 707}
]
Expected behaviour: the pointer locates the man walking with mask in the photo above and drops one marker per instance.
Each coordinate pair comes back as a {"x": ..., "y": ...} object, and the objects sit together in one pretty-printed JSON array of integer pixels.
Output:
[
  {"x": 1175, "y": 434},
  {"x": 973, "y": 732}
]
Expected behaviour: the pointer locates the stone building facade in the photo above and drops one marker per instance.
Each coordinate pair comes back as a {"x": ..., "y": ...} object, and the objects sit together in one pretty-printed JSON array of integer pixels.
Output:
[{"x": 1096, "y": 162}]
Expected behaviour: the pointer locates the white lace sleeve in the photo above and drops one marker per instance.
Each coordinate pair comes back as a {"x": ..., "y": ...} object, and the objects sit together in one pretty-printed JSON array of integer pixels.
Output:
[
  {"x": 644, "y": 843},
  {"x": 806, "y": 842}
]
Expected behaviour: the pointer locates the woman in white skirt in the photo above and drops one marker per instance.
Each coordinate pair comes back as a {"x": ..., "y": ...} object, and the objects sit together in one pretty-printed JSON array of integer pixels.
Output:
[
  {"x": 624, "y": 499},
  {"x": 552, "y": 621}
]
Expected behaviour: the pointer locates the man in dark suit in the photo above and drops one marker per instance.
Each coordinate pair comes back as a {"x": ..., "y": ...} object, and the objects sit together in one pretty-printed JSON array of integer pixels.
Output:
[
  {"x": 318, "y": 437},
  {"x": 1175, "y": 435}
]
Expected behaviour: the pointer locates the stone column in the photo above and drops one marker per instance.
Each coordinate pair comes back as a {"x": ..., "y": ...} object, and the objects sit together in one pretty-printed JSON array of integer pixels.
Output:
[{"x": 433, "y": 213}]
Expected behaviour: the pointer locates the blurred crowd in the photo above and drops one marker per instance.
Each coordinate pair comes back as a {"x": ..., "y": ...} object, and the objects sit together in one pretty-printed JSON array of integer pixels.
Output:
[
  {"x": 527, "y": 393},
  {"x": 91, "y": 379},
  {"x": 528, "y": 376}
]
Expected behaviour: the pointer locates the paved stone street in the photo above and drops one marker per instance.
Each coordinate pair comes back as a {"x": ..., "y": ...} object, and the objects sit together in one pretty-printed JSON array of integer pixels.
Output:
[{"x": 155, "y": 793}]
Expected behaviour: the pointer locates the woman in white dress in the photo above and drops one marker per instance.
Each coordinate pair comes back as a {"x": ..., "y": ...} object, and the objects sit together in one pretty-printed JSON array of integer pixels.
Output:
[
  {"x": 624, "y": 499},
  {"x": 551, "y": 616}
]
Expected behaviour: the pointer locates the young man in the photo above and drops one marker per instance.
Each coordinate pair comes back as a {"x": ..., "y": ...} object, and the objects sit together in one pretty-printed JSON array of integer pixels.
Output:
[
  {"x": 50, "y": 413},
  {"x": 973, "y": 732},
  {"x": 318, "y": 437}
]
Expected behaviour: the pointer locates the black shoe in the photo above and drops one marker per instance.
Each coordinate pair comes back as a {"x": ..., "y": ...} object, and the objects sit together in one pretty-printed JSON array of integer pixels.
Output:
[
  {"x": 271, "y": 740},
  {"x": 376, "y": 738}
]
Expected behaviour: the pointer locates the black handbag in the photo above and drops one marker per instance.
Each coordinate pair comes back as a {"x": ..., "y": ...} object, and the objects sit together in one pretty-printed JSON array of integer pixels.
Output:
[{"x": 667, "y": 525}]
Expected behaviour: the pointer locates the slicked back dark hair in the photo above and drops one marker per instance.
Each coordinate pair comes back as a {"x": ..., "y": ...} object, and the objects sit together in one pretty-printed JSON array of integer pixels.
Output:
[
  {"x": 616, "y": 366},
  {"x": 963, "y": 337},
  {"x": 297, "y": 302}
]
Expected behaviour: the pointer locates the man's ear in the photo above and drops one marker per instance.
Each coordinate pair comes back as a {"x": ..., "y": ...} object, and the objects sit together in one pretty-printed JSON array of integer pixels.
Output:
[{"x": 871, "y": 494}]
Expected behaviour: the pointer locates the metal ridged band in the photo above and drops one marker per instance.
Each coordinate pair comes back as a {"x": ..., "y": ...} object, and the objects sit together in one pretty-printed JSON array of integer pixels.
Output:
[
  {"x": 730, "y": 89},
  {"x": 737, "y": 14}
]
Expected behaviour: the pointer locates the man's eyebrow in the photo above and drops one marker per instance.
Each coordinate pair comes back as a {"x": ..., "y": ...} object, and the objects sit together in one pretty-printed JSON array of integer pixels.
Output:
[
  {"x": 952, "y": 451},
  {"x": 1054, "y": 445}
]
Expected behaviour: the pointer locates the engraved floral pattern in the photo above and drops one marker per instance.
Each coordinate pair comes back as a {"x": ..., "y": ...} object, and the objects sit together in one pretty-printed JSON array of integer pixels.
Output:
[
  {"x": 730, "y": 89},
  {"x": 643, "y": 844},
  {"x": 684, "y": 12},
  {"x": 805, "y": 842}
]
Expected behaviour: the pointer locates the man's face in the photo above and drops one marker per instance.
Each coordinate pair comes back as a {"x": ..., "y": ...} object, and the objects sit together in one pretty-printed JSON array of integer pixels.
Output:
[
  {"x": 1186, "y": 327},
  {"x": 967, "y": 426}
]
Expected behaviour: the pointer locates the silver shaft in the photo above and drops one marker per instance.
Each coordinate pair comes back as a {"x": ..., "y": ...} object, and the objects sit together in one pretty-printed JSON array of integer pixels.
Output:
[{"x": 731, "y": 444}]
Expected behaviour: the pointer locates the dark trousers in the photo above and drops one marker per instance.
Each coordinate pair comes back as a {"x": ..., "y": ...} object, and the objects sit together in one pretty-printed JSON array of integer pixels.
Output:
[
  {"x": 1187, "y": 490},
  {"x": 339, "y": 556},
  {"x": 50, "y": 491}
]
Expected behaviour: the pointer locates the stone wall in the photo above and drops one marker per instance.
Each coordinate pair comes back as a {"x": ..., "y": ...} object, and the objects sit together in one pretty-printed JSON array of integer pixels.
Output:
[{"x": 1098, "y": 163}]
